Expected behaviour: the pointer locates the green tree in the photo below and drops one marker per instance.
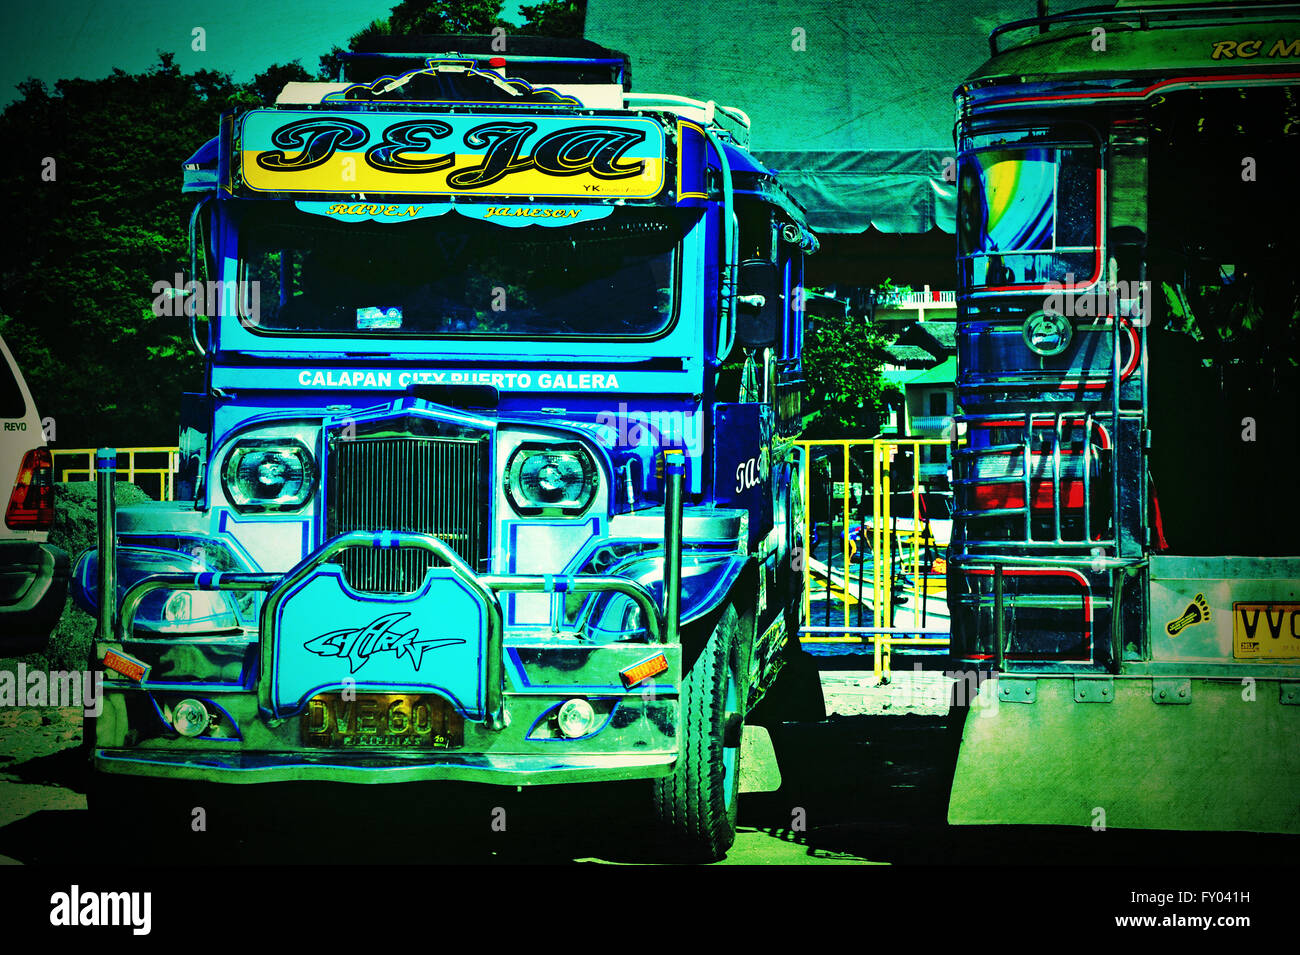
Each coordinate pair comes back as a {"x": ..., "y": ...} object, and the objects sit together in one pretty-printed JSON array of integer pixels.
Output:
[
  {"x": 445, "y": 16},
  {"x": 414, "y": 17},
  {"x": 842, "y": 358},
  {"x": 559, "y": 18},
  {"x": 564, "y": 18},
  {"x": 266, "y": 86},
  {"x": 91, "y": 182}
]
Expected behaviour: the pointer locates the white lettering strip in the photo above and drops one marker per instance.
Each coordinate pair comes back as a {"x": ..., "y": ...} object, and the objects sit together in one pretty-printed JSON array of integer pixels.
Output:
[{"x": 501, "y": 380}]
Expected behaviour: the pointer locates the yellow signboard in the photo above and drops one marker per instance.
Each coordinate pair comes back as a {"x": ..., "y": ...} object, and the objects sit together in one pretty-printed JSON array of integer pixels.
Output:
[{"x": 294, "y": 151}]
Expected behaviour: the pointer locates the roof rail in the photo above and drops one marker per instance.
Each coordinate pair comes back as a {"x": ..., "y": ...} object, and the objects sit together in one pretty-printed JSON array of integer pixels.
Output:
[
  {"x": 707, "y": 112},
  {"x": 1144, "y": 16},
  {"x": 508, "y": 57}
]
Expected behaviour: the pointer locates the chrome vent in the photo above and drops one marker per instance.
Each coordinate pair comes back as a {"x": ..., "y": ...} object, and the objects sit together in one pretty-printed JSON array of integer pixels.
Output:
[{"x": 422, "y": 484}]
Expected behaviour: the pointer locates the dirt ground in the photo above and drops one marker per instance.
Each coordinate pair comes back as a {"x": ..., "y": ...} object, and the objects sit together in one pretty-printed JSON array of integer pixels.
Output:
[
  {"x": 867, "y": 784},
  {"x": 42, "y": 781}
]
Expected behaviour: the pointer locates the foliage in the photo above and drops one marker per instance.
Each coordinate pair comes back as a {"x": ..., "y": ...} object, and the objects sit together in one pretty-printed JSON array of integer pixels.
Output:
[
  {"x": 91, "y": 179},
  {"x": 560, "y": 18},
  {"x": 266, "y": 86},
  {"x": 445, "y": 16},
  {"x": 88, "y": 244},
  {"x": 554, "y": 18},
  {"x": 842, "y": 358}
]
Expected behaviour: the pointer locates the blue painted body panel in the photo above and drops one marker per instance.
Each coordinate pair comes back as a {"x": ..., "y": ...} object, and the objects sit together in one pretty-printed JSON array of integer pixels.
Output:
[{"x": 623, "y": 400}]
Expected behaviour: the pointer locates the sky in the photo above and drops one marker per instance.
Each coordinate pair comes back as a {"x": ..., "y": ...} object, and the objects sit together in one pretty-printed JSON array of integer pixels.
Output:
[{"x": 89, "y": 38}]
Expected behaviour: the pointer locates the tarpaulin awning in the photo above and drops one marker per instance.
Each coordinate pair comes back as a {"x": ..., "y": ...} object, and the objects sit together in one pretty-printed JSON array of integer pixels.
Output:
[{"x": 893, "y": 190}]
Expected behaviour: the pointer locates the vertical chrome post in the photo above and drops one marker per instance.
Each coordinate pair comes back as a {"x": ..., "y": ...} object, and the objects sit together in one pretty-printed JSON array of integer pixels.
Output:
[
  {"x": 106, "y": 507},
  {"x": 1116, "y": 618},
  {"x": 999, "y": 633},
  {"x": 1027, "y": 457},
  {"x": 674, "y": 474}
]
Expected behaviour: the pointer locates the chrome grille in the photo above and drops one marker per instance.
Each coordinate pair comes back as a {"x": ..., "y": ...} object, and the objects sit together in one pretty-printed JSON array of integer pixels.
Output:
[{"x": 428, "y": 485}]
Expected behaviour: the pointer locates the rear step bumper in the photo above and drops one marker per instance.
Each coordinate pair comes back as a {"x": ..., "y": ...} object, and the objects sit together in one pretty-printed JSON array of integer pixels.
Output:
[{"x": 33, "y": 588}]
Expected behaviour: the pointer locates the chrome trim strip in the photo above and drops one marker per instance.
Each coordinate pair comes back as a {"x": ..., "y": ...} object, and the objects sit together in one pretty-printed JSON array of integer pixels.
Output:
[{"x": 485, "y": 587}]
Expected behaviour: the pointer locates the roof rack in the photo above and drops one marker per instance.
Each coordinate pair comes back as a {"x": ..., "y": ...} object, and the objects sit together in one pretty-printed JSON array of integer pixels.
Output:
[
  {"x": 1145, "y": 16},
  {"x": 708, "y": 113},
  {"x": 549, "y": 59}
]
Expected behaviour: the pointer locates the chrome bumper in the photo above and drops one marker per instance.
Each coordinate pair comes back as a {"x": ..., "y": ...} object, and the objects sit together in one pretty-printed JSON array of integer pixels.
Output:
[
  {"x": 512, "y": 770},
  {"x": 641, "y": 744}
]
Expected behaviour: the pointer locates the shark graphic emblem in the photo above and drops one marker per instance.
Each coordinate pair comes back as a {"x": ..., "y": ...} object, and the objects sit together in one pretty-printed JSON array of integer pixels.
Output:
[{"x": 359, "y": 645}]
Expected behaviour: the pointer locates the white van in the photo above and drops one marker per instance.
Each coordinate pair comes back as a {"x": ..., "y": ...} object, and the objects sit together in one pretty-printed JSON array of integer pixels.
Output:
[{"x": 33, "y": 573}]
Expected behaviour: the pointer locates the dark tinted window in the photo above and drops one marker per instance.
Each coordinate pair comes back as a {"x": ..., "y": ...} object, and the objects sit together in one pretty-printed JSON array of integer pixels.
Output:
[
  {"x": 451, "y": 276},
  {"x": 12, "y": 404}
]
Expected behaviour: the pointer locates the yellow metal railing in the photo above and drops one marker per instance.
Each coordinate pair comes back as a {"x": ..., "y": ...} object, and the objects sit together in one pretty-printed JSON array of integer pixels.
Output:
[
  {"x": 883, "y": 541},
  {"x": 165, "y": 474}
]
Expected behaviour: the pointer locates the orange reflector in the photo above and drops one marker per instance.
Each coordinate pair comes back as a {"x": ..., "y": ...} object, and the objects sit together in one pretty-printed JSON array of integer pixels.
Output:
[
  {"x": 129, "y": 667},
  {"x": 644, "y": 670}
]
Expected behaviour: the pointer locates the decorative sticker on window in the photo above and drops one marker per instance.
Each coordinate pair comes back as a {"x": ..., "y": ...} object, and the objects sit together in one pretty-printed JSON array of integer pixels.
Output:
[
  {"x": 1029, "y": 216},
  {"x": 1013, "y": 201}
]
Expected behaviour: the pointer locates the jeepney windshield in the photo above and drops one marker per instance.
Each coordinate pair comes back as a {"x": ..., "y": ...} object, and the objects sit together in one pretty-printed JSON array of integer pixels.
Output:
[
  {"x": 452, "y": 275},
  {"x": 1028, "y": 213}
]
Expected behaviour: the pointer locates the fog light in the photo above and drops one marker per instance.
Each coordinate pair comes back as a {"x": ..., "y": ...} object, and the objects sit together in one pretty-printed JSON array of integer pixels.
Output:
[
  {"x": 576, "y": 718},
  {"x": 190, "y": 717}
]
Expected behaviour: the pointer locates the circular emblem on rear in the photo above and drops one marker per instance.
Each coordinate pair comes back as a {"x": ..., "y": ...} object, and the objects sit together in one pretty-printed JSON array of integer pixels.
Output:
[{"x": 1047, "y": 333}]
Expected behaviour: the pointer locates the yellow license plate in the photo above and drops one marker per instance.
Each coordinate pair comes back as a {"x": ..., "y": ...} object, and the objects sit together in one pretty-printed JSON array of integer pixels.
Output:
[
  {"x": 1266, "y": 631},
  {"x": 382, "y": 721}
]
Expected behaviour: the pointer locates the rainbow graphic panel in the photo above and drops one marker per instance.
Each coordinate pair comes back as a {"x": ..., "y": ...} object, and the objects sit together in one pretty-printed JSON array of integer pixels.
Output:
[
  {"x": 480, "y": 154},
  {"x": 1019, "y": 200}
]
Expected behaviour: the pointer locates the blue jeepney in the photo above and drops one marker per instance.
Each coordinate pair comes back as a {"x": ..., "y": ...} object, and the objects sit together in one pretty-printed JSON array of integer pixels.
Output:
[{"x": 493, "y": 477}]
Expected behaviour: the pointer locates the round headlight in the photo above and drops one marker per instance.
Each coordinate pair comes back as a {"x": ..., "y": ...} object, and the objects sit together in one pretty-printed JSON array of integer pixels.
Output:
[
  {"x": 189, "y": 611},
  {"x": 269, "y": 475},
  {"x": 559, "y": 478},
  {"x": 576, "y": 718},
  {"x": 190, "y": 717}
]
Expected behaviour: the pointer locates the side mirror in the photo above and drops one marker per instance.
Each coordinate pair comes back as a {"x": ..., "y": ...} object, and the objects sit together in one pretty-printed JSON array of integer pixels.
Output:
[{"x": 759, "y": 305}]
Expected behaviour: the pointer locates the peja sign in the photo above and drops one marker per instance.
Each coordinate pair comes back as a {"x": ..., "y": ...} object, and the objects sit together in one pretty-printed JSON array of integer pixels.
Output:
[{"x": 385, "y": 153}]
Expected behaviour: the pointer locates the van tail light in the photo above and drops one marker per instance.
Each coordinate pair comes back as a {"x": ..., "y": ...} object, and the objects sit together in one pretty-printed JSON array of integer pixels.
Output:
[{"x": 31, "y": 505}]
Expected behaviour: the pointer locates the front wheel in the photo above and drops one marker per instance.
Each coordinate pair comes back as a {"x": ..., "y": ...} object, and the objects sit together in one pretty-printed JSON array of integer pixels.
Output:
[{"x": 697, "y": 805}]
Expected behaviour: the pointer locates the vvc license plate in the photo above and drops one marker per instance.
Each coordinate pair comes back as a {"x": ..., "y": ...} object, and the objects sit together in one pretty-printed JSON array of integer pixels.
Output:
[
  {"x": 1266, "y": 631},
  {"x": 382, "y": 721}
]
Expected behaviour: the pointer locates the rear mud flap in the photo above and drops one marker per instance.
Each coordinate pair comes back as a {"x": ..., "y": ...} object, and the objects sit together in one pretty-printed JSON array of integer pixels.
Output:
[{"x": 1221, "y": 763}]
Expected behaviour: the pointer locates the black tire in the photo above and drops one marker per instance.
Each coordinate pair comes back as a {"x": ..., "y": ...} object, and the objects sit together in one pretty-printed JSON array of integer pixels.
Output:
[{"x": 696, "y": 807}]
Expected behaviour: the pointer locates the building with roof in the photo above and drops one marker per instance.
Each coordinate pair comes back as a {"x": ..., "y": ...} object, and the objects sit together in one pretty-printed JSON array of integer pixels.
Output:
[{"x": 922, "y": 371}]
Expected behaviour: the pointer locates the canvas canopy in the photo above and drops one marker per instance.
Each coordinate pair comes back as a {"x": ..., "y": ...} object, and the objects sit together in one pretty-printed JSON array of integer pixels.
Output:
[{"x": 851, "y": 102}]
